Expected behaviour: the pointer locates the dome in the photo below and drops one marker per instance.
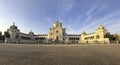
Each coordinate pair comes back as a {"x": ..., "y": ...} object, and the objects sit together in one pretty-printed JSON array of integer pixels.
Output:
[
  {"x": 83, "y": 32},
  {"x": 101, "y": 27},
  {"x": 56, "y": 24},
  {"x": 13, "y": 27},
  {"x": 31, "y": 33}
]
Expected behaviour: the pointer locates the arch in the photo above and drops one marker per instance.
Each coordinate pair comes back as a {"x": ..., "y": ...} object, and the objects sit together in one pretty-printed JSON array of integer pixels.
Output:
[
  {"x": 57, "y": 38},
  {"x": 97, "y": 37}
]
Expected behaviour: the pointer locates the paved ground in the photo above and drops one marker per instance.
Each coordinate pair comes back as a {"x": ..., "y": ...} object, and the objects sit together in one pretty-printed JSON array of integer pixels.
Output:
[{"x": 59, "y": 54}]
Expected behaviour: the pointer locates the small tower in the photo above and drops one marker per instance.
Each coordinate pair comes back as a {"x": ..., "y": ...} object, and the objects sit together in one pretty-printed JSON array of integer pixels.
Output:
[
  {"x": 14, "y": 33},
  {"x": 83, "y": 33},
  {"x": 13, "y": 23},
  {"x": 101, "y": 27},
  {"x": 82, "y": 37},
  {"x": 101, "y": 31},
  {"x": 31, "y": 35},
  {"x": 57, "y": 24}
]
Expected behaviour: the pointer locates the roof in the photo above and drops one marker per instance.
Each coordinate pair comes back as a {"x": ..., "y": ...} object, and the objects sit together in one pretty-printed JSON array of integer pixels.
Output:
[{"x": 73, "y": 35}]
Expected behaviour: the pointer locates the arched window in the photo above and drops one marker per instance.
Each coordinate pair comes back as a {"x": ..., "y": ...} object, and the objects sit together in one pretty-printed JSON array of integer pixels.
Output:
[
  {"x": 57, "y": 38},
  {"x": 17, "y": 36},
  {"x": 57, "y": 25},
  {"x": 50, "y": 33},
  {"x": 57, "y": 31},
  {"x": 97, "y": 37}
]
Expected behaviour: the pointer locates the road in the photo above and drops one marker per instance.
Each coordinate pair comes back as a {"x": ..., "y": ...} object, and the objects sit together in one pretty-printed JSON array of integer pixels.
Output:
[{"x": 26, "y": 54}]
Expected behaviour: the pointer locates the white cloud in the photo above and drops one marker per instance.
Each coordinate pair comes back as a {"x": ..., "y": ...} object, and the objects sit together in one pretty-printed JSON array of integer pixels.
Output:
[
  {"x": 89, "y": 18},
  {"x": 89, "y": 14},
  {"x": 91, "y": 10},
  {"x": 100, "y": 9},
  {"x": 113, "y": 25},
  {"x": 64, "y": 7},
  {"x": 113, "y": 14},
  {"x": 95, "y": 9},
  {"x": 49, "y": 20},
  {"x": 4, "y": 24},
  {"x": 67, "y": 5},
  {"x": 70, "y": 30},
  {"x": 89, "y": 28}
]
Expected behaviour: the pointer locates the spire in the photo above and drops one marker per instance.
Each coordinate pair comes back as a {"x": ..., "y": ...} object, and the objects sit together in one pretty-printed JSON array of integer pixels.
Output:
[
  {"x": 30, "y": 30},
  {"x": 101, "y": 27},
  {"x": 57, "y": 21},
  {"x": 13, "y": 26},
  {"x": 13, "y": 23},
  {"x": 83, "y": 32},
  {"x": 31, "y": 33}
]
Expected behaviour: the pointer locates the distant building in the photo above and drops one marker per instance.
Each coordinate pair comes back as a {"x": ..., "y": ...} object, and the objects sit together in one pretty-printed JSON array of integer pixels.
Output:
[
  {"x": 57, "y": 34},
  {"x": 96, "y": 37}
]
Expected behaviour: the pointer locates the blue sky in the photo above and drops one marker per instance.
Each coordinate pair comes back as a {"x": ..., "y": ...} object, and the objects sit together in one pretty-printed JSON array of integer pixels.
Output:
[{"x": 76, "y": 15}]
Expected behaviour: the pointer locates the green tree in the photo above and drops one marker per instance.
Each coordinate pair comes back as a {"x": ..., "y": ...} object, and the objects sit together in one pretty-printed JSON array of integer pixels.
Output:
[
  {"x": 0, "y": 35},
  {"x": 110, "y": 36},
  {"x": 117, "y": 37}
]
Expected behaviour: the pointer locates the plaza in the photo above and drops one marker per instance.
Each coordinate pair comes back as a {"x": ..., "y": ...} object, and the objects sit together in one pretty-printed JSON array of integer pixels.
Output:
[{"x": 88, "y": 54}]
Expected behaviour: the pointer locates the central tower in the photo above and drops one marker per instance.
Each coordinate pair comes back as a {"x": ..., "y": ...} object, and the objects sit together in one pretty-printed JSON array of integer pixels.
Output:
[{"x": 57, "y": 33}]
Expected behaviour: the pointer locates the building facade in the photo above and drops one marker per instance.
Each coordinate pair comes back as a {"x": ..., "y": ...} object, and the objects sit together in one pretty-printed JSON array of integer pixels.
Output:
[
  {"x": 95, "y": 37},
  {"x": 56, "y": 34}
]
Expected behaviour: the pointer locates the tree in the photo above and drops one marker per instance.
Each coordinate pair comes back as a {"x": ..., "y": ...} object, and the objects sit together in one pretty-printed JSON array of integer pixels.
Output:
[
  {"x": 117, "y": 37},
  {"x": 0, "y": 35},
  {"x": 110, "y": 36}
]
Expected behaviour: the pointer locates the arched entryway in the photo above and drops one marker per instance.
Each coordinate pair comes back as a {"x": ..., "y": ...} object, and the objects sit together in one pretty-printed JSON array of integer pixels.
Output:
[{"x": 57, "y": 39}]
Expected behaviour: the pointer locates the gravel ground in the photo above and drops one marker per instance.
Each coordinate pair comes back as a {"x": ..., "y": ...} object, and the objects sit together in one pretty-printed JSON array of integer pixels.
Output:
[{"x": 26, "y": 54}]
